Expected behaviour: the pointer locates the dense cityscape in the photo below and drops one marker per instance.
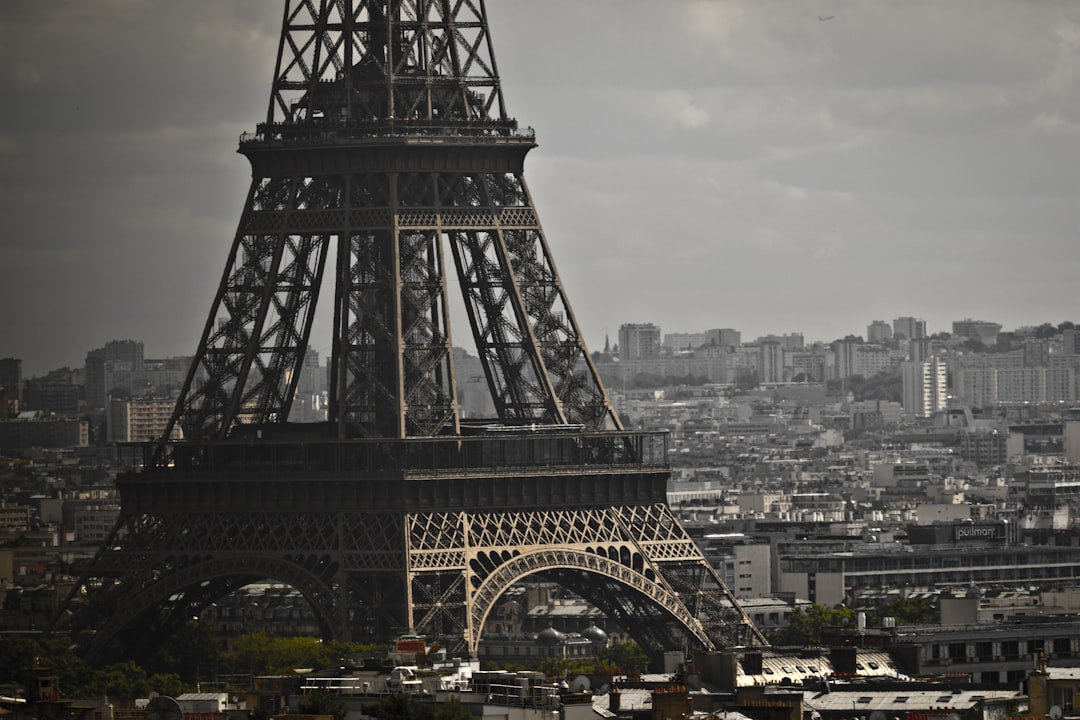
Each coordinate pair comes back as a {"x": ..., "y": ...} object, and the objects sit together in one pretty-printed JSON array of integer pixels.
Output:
[
  {"x": 392, "y": 482},
  {"x": 896, "y": 469}
]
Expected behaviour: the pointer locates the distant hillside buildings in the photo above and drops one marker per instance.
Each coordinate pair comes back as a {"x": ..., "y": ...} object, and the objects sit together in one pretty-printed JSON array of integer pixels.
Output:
[
  {"x": 909, "y": 328},
  {"x": 125, "y": 396},
  {"x": 925, "y": 387}
]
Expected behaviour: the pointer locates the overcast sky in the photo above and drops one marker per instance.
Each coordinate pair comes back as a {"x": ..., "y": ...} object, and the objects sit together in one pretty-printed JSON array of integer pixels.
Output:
[{"x": 701, "y": 164}]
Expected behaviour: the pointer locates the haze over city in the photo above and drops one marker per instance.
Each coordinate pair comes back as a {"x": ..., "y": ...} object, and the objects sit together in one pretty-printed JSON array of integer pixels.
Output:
[{"x": 700, "y": 164}]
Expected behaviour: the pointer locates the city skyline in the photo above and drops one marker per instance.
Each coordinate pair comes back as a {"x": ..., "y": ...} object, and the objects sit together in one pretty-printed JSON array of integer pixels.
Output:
[{"x": 700, "y": 164}]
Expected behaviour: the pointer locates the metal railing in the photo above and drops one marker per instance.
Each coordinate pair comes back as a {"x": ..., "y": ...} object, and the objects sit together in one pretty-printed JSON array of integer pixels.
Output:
[
  {"x": 352, "y": 132},
  {"x": 458, "y": 454}
]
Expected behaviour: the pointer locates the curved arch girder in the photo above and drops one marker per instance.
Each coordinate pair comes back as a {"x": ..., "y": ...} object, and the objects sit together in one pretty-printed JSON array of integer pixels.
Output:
[
  {"x": 528, "y": 563},
  {"x": 235, "y": 572}
]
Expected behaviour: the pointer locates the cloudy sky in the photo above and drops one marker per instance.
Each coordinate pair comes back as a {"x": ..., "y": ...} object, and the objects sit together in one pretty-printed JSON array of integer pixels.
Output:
[{"x": 702, "y": 163}]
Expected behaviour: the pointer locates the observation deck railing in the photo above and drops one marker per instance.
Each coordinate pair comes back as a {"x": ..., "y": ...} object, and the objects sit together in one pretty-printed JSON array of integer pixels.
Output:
[
  {"x": 327, "y": 132},
  {"x": 421, "y": 456}
]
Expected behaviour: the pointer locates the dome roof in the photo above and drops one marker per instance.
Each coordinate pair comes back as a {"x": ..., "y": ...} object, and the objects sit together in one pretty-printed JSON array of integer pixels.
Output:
[
  {"x": 595, "y": 634},
  {"x": 551, "y": 636}
]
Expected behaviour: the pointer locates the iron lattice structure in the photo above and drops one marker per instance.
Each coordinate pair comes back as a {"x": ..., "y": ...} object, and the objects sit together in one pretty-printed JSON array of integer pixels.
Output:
[{"x": 387, "y": 142}]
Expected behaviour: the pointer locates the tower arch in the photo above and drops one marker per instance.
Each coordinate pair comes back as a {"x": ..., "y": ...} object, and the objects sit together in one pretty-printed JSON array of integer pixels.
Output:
[{"x": 550, "y": 561}]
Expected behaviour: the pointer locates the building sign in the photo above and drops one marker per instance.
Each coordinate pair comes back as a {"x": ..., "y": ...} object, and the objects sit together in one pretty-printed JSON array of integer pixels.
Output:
[{"x": 967, "y": 533}]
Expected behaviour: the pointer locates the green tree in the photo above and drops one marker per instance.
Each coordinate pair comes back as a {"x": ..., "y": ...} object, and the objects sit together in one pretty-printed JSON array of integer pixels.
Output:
[
  {"x": 907, "y": 611},
  {"x": 623, "y": 656},
  {"x": 124, "y": 681},
  {"x": 508, "y": 666},
  {"x": 296, "y": 652},
  {"x": 191, "y": 652},
  {"x": 18, "y": 655},
  {"x": 806, "y": 626},
  {"x": 398, "y": 706},
  {"x": 261, "y": 654},
  {"x": 251, "y": 654},
  {"x": 321, "y": 703},
  {"x": 169, "y": 684},
  {"x": 453, "y": 709}
]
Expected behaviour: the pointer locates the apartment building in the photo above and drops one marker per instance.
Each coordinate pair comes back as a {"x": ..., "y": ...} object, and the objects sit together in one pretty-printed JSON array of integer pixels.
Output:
[{"x": 924, "y": 387}]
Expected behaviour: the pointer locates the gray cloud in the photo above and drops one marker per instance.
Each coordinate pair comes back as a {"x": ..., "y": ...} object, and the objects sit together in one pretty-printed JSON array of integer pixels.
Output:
[{"x": 702, "y": 163}]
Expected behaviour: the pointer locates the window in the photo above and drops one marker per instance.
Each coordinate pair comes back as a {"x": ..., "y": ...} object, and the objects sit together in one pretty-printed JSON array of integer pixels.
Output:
[
  {"x": 901, "y": 699},
  {"x": 1063, "y": 697},
  {"x": 864, "y": 699}
]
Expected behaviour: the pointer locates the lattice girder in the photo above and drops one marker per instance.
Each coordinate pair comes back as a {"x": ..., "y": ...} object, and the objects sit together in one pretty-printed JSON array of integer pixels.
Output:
[
  {"x": 633, "y": 547},
  {"x": 260, "y": 320},
  {"x": 393, "y": 374},
  {"x": 386, "y": 141},
  {"x": 644, "y": 584},
  {"x": 179, "y": 595},
  {"x": 422, "y": 59}
]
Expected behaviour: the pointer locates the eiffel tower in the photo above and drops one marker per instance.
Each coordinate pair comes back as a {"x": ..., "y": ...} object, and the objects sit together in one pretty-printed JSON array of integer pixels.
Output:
[{"x": 386, "y": 142}]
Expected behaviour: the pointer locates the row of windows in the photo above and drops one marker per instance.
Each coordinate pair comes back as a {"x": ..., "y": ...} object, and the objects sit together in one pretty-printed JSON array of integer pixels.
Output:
[{"x": 985, "y": 651}]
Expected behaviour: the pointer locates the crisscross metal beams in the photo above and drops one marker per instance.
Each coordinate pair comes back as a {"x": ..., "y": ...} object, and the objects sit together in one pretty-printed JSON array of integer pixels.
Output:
[{"x": 387, "y": 146}]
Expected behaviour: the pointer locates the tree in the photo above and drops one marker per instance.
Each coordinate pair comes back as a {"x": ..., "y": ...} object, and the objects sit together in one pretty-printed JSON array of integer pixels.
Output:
[
  {"x": 261, "y": 654},
  {"x": 507, "y": 666},
  {"x": 806, "y": 626},
  {"x": 1045, "y": 331},
  {"x": 623, "y": 656},
  {"x": 73, "y": 675},
  {"x": 886, "y": 385},
  {"x": 169, "y": 684},
  {"x": 746, "y": 379},
  {"x": 251, "y": 654},
  {"x": 398, "y": 706},
  {"x": 191, "y": 653},
  {"x": 125, "y": 681},
  {"x": 647, "y": 380},
  {"x": 1006, "y": 342},
  {"x": 453, "y": 709},
  {"x": 321, "y": 703},
  {"x": 974, "y": 345},
  {"x": 907, "y": 611}
]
